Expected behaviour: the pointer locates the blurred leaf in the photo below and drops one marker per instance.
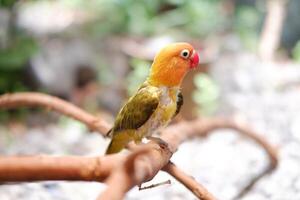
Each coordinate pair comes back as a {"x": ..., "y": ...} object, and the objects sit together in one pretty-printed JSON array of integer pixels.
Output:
[
  {"x": 138, "y": 75},
  {"x": 11, "y": 81},
  {"x": 206, "y": 95},
  {"x": 15, "y": 56},
  {"x": 197, "y": 18},
  {"x": 105, "y": 75},
  {"x": 13, "y": 59},
  {"x": 7, "y": 3},
  {"x": 247, "y": 22},
  {"x": 144, "y": 17},
  {"x": 296, "y": 52},
  {"x": 205, "y": 16}
]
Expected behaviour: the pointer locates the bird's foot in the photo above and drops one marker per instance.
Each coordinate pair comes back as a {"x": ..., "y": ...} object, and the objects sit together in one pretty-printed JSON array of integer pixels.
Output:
[{"x": 159, "y": 141}]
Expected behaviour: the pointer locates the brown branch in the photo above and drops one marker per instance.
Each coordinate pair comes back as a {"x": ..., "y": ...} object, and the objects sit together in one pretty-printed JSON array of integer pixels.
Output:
[
  {"x": 251, "y": 183},
  {"x": 132, "y": 172},
  {"x": 140, "y": 166},
  {"x": 207, "y": 126},
  {"x": 34, "y": 99},
  {"x": 157, "y": 158},
  {"x": 33, "y": 168},
  {"x": 203, "y": 125},
  {"x": 69, "y": 168},
  {"x": 189, "y": 182}
]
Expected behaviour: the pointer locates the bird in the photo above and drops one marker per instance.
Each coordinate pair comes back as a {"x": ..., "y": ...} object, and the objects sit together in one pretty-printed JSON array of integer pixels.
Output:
[{"x": 157, "y": 101}]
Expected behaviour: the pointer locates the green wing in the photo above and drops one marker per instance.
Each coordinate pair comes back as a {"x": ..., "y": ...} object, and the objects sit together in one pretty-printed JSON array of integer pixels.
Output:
[
  {"x": 137, "y": 110},
  {"x": 179, "y": 103}
]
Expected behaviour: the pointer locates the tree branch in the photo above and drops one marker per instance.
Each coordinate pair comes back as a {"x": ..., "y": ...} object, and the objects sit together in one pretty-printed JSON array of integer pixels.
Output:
[
  {"x": 207, "y": 126},
  {"x": 68, "y": 168},
  {"x": 35, "y": 99},
  {"x": 189, "y": 182},
  {"x": 141, "y": 165},
  {"x": 157, "y": 158}
]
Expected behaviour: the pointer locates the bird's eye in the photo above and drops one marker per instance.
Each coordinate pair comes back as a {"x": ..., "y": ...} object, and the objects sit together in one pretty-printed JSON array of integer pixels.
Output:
[{"x": 185, "y": 53}]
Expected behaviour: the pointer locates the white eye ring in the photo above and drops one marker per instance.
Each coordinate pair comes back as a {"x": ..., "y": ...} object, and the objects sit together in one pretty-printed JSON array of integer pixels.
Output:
[{"x": 185, "y": 53}]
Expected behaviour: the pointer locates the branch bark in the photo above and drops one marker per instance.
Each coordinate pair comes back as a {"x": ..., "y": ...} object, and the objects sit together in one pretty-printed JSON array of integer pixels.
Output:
[
  {"x": 139, "y": 166},
  {"x": 35, "y": 99},
  {"x": 157, "y": 158},
  {"x": 45, "y": 168},
  {"x": 189, "y": 182}
]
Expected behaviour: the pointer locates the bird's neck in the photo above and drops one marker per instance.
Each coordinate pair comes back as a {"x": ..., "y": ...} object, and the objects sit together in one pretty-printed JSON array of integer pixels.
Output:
[
  {"x": 164, "y": 83},
  {"x": 166, "y": 75},
  {"x": 165, "y": 79},
  {"x": 171, "y": 91}
]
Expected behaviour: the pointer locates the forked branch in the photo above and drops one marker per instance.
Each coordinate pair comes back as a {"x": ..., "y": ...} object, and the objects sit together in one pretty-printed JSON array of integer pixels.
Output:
[{"x": 131, "y": 169}]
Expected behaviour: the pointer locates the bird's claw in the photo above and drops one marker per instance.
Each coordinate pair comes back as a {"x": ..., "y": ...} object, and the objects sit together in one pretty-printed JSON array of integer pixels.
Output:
[{"x": 162, "y": 144}]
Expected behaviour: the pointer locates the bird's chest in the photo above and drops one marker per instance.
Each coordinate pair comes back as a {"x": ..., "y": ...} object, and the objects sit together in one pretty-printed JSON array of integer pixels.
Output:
[
  {"x": 167, "y": 106},
  {"x": 165, "y": 110}
]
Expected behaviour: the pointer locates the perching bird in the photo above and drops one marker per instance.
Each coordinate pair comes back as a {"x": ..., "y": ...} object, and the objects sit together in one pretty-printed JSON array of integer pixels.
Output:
[{"x": 157, "y": 100}]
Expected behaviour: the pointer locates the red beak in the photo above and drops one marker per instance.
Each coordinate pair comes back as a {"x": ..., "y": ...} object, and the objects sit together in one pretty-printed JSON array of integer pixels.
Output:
[{"x": 194, "y": 60}]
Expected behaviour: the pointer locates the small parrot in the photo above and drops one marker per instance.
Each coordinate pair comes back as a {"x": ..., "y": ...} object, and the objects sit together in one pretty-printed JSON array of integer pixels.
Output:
[{"x": 157, "y": 100}]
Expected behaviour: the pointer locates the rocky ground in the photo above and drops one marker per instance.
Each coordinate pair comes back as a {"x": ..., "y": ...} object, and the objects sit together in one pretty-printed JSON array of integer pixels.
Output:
[{"x": 265, "y": 95}]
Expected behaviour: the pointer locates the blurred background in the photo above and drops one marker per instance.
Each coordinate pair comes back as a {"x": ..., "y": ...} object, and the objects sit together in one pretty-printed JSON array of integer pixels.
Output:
[{"x": 95, "y": 54}]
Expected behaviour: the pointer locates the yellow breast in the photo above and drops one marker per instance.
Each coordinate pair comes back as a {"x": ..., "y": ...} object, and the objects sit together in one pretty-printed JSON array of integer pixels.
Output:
[
  {"x": 167, "y": 112},
  {"x": 164, "y": 112},
  {"x": 170, "y": 109},
  {"x": 167, "y": 105}
]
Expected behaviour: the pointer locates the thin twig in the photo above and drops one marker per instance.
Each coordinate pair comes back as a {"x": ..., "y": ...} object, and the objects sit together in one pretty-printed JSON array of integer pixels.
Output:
[
  {"x": 245, "y": 190},
  {"x": 207, "y": 126},
  {"x": 167, "y": 182},
  {"x": 189, "y": 182}
]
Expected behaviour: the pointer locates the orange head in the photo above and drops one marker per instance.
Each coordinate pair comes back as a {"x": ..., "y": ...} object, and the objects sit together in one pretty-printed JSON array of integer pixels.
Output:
[{"x": 172, "y": 63}]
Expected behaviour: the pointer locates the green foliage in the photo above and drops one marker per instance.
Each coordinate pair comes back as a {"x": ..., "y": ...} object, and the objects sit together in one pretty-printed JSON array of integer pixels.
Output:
[
  {"x": 206, "y": 95},
  {"x": 197, "y": 18},
  {"x": 12, "y": 62},
  {"x": 296, "y": 52},
  {"x": 246, "y": 24},
  {"x": 7, "y": 3},
  {"x": 105, "y": 76},
  {"x": 67, "y": 122},
  {"x": 13, "y": 57},
  {"x": 16, "y": 114},
  {"x": 119, "y": 16},
  {"x": 144, "y": 17},
  {"x": 138, "y": 75}
]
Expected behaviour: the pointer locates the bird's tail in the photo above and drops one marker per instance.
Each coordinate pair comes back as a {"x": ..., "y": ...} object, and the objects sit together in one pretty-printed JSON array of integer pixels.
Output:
[
  {"x": 118, "y": 142},
  {"x": 115, "y": 146}
]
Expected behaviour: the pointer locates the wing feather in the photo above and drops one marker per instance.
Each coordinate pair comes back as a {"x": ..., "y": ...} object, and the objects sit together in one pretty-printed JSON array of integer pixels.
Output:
[
  {"x": 179, "y": 103},
  {"x": 137, "y": 110}
]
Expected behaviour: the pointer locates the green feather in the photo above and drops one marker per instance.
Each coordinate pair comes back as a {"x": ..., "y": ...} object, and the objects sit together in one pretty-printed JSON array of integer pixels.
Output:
[
  {"x": 137, "y": 110},
  {"x": 134, "y": 114},
  {"x": 179, "y": 103}
]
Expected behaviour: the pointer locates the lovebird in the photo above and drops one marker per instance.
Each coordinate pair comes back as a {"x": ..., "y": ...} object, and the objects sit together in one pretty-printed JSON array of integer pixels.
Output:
[{"x": 157, "y": 100}]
